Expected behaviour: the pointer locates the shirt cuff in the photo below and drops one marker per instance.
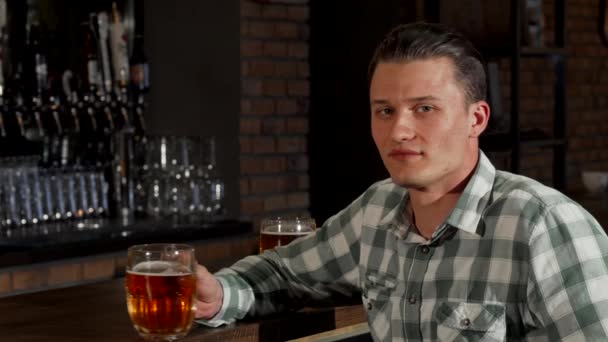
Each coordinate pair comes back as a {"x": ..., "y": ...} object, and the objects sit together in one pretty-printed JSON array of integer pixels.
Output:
[{"x": 238, "y": 299}]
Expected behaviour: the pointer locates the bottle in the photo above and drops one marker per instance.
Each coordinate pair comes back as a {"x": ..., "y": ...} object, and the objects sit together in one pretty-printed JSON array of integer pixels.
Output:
[
  {"x": 89, "y": 62},
  {"x": 140, "y": 72},
  {"x": 119, "y": 49}
]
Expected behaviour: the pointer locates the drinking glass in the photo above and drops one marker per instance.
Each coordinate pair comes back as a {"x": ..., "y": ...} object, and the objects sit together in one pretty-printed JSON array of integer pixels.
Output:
[
  {"x": 160, "y": 286},
  {"x": 280, "y": 231}
]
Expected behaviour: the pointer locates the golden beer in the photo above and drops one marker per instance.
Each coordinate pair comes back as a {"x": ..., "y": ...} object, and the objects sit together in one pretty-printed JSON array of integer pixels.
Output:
[
  {"x": 279, "y": 231},
  {"x": 270, "y": 240},
  {"x": 161, "y": 303},
  {"x": 160, "y": 291}
]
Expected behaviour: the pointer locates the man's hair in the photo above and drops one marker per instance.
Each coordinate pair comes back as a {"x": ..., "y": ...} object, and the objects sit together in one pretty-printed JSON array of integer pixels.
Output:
[{"x": 421, "y": 41}]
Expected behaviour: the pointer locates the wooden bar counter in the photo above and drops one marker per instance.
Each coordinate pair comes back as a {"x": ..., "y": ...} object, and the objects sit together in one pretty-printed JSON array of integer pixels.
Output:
[{"x": 98, "y": 312}]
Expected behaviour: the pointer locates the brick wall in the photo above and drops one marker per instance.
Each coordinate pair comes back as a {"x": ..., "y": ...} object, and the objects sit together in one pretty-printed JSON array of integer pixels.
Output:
[
  {"x": 586, "y": 95},
  {"x": 274, "y": 109},
  {"x": 587, "y": 90},
  {"x": 275, "y": 89}
]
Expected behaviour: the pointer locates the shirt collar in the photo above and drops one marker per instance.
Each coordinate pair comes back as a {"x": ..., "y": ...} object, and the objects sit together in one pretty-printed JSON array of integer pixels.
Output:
[
  {"x": 475, "y": 198},
  {"x": 468, "y": 210}
]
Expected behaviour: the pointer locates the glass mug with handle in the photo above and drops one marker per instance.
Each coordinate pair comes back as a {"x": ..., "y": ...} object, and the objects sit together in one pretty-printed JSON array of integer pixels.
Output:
[
  {"x": 280, "y": 231},
  {"x": 161, "y": 285}
]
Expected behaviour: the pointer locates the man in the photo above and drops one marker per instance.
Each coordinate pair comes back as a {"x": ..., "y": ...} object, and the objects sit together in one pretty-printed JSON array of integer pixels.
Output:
[{"x": 448, "y": 248}]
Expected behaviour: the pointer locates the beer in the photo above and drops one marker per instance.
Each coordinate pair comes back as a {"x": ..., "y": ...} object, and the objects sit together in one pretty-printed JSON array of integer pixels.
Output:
[
  {"x": 280, "y": 231},
  {"x": 270, "y": 240},
  {"x": 160, "y": 298}
]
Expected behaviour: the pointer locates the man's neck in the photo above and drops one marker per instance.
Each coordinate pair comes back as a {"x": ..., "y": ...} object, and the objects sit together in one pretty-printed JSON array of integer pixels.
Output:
[{"x": 428, "y": 208}]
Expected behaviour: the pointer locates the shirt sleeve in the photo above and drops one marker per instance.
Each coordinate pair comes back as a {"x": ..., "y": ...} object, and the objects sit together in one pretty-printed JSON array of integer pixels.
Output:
[
  {"x": 319, "y": 267},
  {"x": 568, "y": 279}
]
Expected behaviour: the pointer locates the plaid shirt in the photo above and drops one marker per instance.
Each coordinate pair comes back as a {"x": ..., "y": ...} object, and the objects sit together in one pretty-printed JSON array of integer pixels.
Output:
[{"x": 514, "y": 260}]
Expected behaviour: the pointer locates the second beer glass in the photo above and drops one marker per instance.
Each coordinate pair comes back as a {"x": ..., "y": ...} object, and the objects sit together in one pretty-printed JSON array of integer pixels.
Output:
[{"x": 279, "y": 231}]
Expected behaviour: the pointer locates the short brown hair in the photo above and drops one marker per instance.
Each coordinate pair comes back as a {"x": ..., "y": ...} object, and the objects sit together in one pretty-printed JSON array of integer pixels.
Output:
[{"x": 420, "y": 41}]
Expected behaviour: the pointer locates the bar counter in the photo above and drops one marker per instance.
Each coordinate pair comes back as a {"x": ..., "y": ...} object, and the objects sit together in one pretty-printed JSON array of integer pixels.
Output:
[
  {"x": 55, "y": 241},
  {"x": 41, "y": 257},
  {"x": 98, "y": 312}
]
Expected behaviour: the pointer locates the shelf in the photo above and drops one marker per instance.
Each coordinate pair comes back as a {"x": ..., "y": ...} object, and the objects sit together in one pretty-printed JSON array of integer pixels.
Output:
[
  {"x": 542, "y": 51},
  {"x": 503, "y": 142},
  {"x": 525, "y": 51},
  {"x": 543, "y": 142}
]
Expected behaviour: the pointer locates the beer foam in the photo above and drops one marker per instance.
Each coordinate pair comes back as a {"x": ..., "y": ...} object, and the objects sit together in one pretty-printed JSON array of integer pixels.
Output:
[
  {"x": 159, "y": 267},
  {"x": 287, "y": 229},
  {"x": 275, "y": 233}
]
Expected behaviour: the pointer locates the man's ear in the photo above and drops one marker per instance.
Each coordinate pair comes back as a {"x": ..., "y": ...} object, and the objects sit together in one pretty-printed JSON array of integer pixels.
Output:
[{"x": 479, "y": 113}]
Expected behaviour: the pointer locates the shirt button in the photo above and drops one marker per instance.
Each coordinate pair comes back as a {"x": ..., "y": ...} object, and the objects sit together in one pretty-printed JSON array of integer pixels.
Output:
[
  {"x": 465, "y": 322},
  {"x": 369, "y": 306},
  {"x": 425, "y": 249},
  {"x": 412, "y": 300}
]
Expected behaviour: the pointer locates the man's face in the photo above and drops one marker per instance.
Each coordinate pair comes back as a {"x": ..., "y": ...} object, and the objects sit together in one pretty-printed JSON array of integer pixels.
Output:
[{"x": 421, "y": 124}]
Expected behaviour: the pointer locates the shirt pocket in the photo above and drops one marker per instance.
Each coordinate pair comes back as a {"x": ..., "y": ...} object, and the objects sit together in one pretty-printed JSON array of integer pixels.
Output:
[
  {"x": 376, "y": 296},
  {"x": 463, "y": 321}
]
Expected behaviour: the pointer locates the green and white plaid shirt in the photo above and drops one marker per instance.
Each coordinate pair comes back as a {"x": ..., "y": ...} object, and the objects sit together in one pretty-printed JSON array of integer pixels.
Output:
[{"x": 515, "y": 260}]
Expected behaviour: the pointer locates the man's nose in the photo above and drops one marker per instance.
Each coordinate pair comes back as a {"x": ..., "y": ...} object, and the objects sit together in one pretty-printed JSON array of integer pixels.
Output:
[{"x": 403, "y": 127}]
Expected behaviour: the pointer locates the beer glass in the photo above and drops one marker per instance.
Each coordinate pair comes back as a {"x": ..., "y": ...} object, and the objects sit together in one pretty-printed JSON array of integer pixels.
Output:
[
  {"x": 280, "y": 231},
  {"x": 160, "y": 285}
]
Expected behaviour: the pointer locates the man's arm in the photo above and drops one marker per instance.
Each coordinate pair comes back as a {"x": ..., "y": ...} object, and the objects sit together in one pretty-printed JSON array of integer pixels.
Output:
[
  {"x": 568, "y": 278},
  {"x": 318, "y": 267}
]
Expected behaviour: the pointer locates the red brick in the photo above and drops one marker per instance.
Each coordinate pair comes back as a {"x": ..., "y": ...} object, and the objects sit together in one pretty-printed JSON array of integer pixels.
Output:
[
  {"x": 303, "y": 106},
  {"x": 288, "y": 183},
  {"x": 250, "y": 126},
  {"x": 245, "y": 106},
  {"x": 297, "y": 163},
  {"x": 298, "y": 200},
  {"x": 251, "y": 87},
  {"x": 298, "y": 88},
  {"x": 287, "y": 106},
  {"x": 245, "y": 144},
  {"x": 243, "y": 187},
  {"x": 250, "y": 9},
  {"x": 303, "y": 32},
  {"x": 262, "y": 107},
  {"x": 286, "y": 69},
  {"x": 258, "y": 68},
  {"x": 291, "y": 144},
  {"x": 244, "y": 29},
  {"x": 252, "y": 48},
  {"x": 287, "y": 31},
  {"x": 274, "y": 11},
  {"x": 263, "y": 145},
  {"x": 274, "y": 88},
  {"x": 260, "y": 29},
  {"x": 298, "y": 49},
  {"x": 273, "y": 126},
  {"x": 275, "y": 49},
  {"x": 275, "y": 164},
  {"x": 303, "y": 69},
  {"x": 251, "y": 206},
  {"x": 275, "y": 202},
  {"x": 303, "y": 182},
  {"x": 264, "y": 185},
  {"x": 297, "y": 125},
  {"x": 298, "y": 13}
]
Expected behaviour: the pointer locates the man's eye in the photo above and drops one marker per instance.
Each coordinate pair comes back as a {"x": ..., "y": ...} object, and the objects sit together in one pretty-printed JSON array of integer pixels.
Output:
[
  {"x": 424, "y": 109},
  {"x": 385, "y": 111}
]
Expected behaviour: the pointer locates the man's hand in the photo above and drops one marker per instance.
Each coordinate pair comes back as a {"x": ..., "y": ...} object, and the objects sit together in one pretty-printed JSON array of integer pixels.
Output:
[{"x": 209, "y": 294}]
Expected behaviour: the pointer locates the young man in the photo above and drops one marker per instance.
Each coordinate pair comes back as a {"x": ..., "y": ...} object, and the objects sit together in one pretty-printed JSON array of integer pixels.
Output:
[{"x": 448, "y": 248}]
